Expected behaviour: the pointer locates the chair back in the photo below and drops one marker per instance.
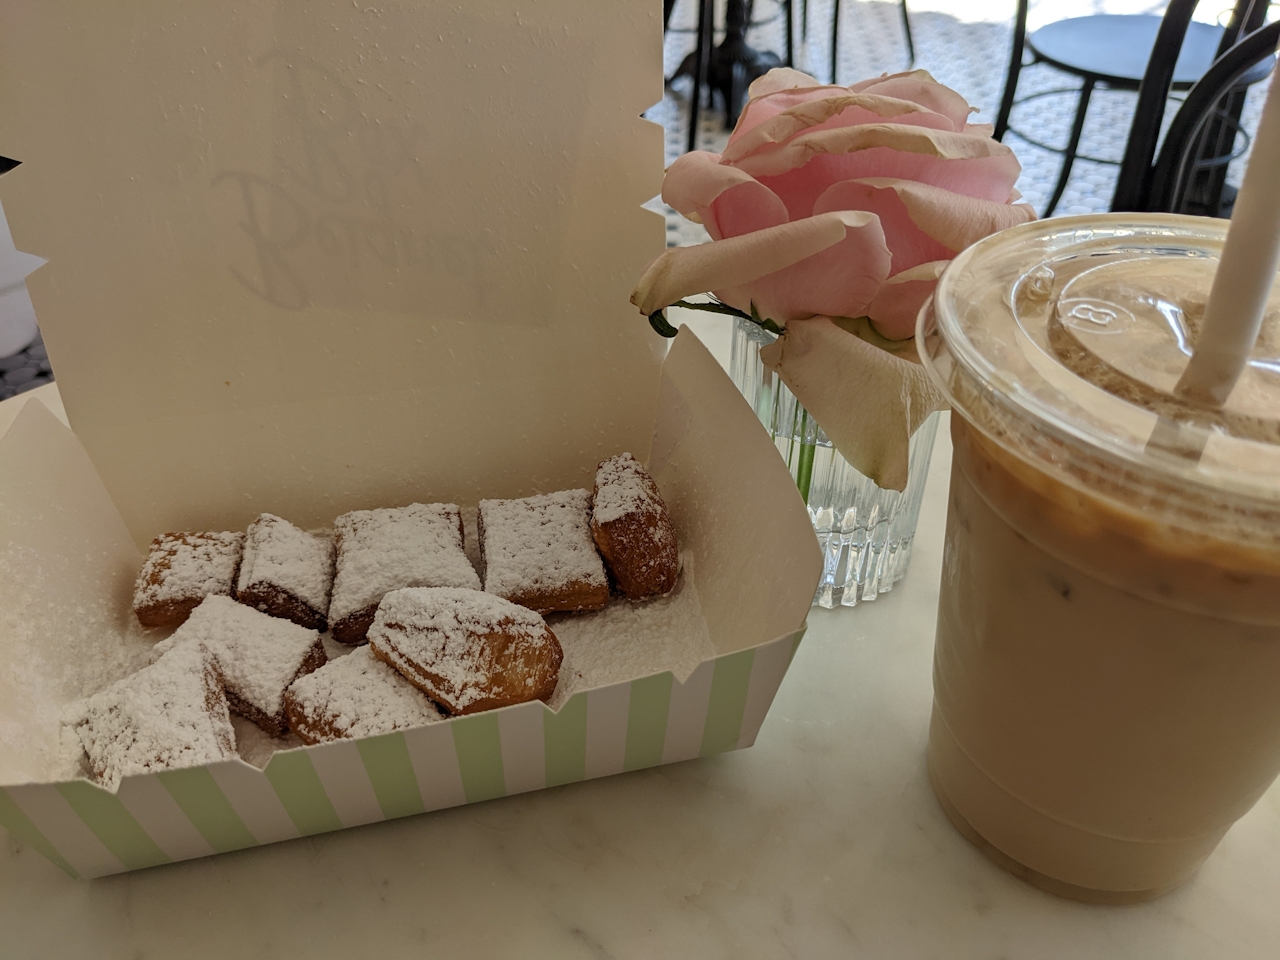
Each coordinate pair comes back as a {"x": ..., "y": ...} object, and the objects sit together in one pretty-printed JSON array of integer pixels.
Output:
[
  {"x": 1176, "y": 165},
  {"x": 1135, "y": 184}
]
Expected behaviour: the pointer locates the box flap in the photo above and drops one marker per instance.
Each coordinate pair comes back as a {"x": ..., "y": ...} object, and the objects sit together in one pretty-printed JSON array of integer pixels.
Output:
[
  {"x": 335, "y": 255},
  {"x": 67, "y": 566},
  {"x": 734, "y": 503}
]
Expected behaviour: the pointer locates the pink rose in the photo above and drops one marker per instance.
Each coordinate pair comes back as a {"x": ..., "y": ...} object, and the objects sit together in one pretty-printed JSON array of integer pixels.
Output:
[{"x": 837, "y": 201}]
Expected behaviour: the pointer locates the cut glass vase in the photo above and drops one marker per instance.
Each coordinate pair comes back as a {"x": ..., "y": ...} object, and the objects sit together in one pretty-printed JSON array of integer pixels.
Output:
[{"x": 865, "y": 531}]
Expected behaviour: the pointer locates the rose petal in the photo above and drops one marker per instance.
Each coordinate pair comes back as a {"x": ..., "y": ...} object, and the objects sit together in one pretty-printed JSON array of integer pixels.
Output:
[
  {"x": 898, "y": 302},
  {"x": 957, "y": 221},
  {"x": 949, "y": 221},
  {"x": 906, "y": 241},
  {"x": 746, "y": 208},
  {"x": 868, "y": 401},
  {"x": 801, "y": 169},
  {"x": 846, "y": 110},
  {"x": 839, "y": 281},
  {"x": 741, "y": 269},
  {"x": 769, "y": 105},
  {"x": 863, "y": 85},
  {"x": 778, "y": 79},
  {"x": 725, "y": 200},
  {"x": 943, "y": 145},
  {"x": 689, "y": 184},
  {"x": 919, "y": 87}
]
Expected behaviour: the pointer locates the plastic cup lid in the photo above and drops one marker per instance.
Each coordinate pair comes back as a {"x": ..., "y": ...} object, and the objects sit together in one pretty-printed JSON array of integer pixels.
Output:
[{"x": 1062, "y": 339}]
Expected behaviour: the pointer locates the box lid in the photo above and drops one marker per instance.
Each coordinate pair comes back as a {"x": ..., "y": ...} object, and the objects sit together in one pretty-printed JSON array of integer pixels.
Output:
[{"x": 340, "y": 255}]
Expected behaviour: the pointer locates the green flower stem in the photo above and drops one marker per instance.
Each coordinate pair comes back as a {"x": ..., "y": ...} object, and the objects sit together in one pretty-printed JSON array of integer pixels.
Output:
[
  {"x": 791, "y": 434},
  {"x": 804, "y": 471}
]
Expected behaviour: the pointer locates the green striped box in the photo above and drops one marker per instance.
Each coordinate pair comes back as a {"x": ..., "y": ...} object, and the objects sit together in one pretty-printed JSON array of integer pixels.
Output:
[
  {"x": 180, "y": 814},
  {"x": 755, "y": 560}
]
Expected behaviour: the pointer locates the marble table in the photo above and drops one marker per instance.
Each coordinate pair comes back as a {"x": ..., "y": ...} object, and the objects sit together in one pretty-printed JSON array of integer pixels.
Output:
[{"x": 822, "y": 840}]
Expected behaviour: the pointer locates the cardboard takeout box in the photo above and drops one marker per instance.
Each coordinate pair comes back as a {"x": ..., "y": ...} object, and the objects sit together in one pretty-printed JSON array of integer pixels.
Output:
[{"x": 315, "y": 257}]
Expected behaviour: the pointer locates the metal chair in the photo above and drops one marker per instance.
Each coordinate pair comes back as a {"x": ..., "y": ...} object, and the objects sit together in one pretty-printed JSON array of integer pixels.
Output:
[
  {"x": 730, "y": 67},
  {"x": 1116, "y": 52},
  {"x": 1164, "y": 183},
  {"x": 835, "y": 34}
]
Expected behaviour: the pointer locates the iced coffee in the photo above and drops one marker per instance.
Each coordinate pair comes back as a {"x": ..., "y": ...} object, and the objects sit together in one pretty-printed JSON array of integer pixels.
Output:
[{"x": 1107, "y": 665}]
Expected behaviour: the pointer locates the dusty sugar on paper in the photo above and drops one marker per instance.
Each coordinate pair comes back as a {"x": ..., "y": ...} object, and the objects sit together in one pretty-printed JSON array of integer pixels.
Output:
[
  {"x": 255, "y": 746},
  {"x": 626, "y": 641},
  {"x": 50, "y": 658}
]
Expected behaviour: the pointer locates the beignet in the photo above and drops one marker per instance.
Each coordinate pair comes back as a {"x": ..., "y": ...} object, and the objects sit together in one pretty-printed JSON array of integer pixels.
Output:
[
  {"x": 632, "y": 529},
  {"x": 182, "y": 569},
  {"x": 170, "y": 714},
  {"x": 382, "y": 550},
  {"x": 286, "y": 572},
  {"x": 355, "y": 696},
  {"x": 468, "y": 651},
  {"x": 259, "y": 656},
  {"x": 538, "y": 552}
]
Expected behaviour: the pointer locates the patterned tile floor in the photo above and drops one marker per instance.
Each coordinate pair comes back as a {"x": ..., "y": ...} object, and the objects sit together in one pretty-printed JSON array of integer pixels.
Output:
[
  {"x": 25, "y": 370},
  {"x": 964, "y": 44}
]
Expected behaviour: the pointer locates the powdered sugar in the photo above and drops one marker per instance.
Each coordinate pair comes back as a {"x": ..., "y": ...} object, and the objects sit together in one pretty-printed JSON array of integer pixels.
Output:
[
  {"x": 382, "y": 550},
  {"x": 64, "y": 640},
  {"x": 170, "y": 714},
  {"x": 359, "y": 696},
  {"x": 259, "y": 655},
  {"x": 622, "y": 487},
  {"x": 182, "y": 566},
  {"x": 626, "y": 641},
  {"x": 540, "y": 543},
  {"x": 276, "y": 553},
  {"x": 255, "y": 746},
  {"x": 441, "y": 630}
]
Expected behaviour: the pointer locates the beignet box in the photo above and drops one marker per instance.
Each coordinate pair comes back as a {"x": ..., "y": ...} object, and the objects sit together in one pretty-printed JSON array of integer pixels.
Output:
[{"x": 308, "y": 258}]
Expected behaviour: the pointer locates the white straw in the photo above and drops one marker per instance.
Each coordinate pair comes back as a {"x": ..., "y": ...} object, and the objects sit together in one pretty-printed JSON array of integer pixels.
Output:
[{"x": 1245, "y": 273}]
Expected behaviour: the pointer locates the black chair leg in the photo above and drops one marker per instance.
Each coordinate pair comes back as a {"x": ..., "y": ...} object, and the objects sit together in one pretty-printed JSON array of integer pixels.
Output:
[
  {"x": 702, "y": 59},
  {"x": 1015, "y": 68},
  {"x": 835, "y": 42},
  {"x": 1069, "y": 155},
  {"x": 906, "y": 32},
  {"x": 791, "y": 52}
]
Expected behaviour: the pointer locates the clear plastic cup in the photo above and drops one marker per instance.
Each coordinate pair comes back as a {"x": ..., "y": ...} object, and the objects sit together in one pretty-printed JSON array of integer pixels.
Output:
[{"x": 1107, "y": 665}]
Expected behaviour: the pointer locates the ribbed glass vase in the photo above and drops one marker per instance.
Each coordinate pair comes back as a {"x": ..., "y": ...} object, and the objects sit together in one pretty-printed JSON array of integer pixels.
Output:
[{"x": 865, "y": 531}]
